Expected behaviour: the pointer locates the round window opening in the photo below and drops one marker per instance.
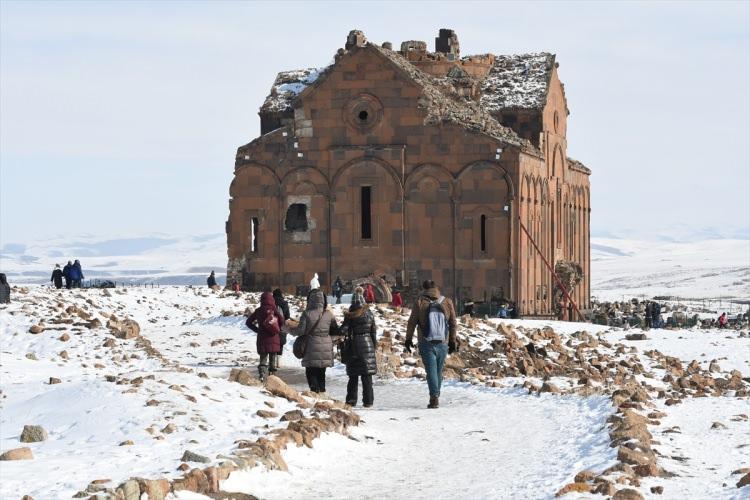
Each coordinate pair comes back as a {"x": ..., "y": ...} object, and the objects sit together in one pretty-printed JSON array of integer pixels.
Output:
[{"x": 363, "y": 112}]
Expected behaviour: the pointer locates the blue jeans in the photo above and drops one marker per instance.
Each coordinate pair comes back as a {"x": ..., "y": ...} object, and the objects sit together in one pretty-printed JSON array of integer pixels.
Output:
[{"x": 433, "y": 358}]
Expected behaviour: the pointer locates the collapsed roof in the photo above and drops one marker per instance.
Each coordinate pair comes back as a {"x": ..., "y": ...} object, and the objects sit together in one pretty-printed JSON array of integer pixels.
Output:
[{"x": 517, "y": 81}]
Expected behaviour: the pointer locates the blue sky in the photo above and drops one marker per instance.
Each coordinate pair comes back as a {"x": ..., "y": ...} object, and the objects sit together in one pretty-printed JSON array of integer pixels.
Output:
[{"x": 123, "y": 118}]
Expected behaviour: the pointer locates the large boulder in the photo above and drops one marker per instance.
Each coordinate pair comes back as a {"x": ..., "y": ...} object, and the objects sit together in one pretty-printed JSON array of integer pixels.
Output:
[
  {"x": 278, "y": 387},
  {"x": 244, "y": 377},
  {"x": 125, "y": 329},
  {"x": 17, "y": 454},
  {"x": 33, "y": 434}
]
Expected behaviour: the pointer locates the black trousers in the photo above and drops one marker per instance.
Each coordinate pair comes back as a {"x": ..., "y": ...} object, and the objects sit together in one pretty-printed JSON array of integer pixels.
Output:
[
  {"x": 368, "y": 397},
  {"x": 316, "y": 379}
]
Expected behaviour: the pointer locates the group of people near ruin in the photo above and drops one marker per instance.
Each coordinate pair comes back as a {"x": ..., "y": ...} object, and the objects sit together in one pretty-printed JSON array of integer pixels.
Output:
[
  {"x": 71, "y": 274},
  {"x": 317, "y": 332},
  {"x": 653, "y": 315}
]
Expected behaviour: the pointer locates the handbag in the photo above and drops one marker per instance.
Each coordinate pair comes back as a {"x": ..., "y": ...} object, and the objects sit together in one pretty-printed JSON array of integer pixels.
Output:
[
  {"x": 300, "y": 343},
  {"x": 348, "y": 350}
]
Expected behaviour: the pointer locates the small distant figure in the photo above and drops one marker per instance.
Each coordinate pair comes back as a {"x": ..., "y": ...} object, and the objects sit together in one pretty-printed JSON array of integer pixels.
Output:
[
  {"x": 370, "y": 293},
  {"x": 502, "y": 311},
  {"x": 66, "y": 275},
  {"x": 338, "y": 289},
  {"x": 236, "y": 287},
  {"x": 469, "y": 307},
  {"x": 283, "y": 306},
  {"x": 512, "y": 310},
  {"x": 398, "y": 301},
  {"x": 57, "y": 277},
  {"x": 649, "y": 314},
  {"x": 76, "y": 274},
  {"x": 4, "y": 290},
  {"x": 723, "y": 321},
  {"x": 211, "y": 281},
  {"x": 314, "y": 282},
  {"x": 656, "y": 315}
]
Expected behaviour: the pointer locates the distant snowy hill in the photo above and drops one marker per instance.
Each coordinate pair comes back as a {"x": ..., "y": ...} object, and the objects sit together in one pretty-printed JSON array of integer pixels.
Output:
[
  {"x": 158, "y": 258},
  {"x": 705, "y": 268}
]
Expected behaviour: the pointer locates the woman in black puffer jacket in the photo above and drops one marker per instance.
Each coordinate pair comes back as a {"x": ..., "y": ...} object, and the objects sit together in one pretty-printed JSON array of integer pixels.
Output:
[{"x": 360, "y": 323}]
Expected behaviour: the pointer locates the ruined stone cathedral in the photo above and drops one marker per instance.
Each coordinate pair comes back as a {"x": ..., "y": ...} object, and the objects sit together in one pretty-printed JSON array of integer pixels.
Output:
[{"x": 415, "y": 165}]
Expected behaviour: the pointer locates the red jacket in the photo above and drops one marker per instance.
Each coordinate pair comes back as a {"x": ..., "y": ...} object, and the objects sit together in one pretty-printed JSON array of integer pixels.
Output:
[
  {"x": 369, "y": 294},
  {"x": 267, "y": 342},
  {"x": 397, "y": 300}
]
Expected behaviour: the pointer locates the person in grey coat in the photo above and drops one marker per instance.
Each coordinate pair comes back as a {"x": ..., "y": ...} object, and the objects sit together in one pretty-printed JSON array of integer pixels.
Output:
[
  {"x": 4, "y": 290},
  {"x": 360, "y": 324},
  {"x": 319, "y": 324}
]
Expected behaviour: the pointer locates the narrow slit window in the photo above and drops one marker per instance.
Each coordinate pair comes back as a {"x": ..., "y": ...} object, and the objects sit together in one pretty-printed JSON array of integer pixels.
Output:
[
  {"x": 366, "y": 206},
  {"x": 254, "y": 235},
  {"x": 483, "y": 233}
]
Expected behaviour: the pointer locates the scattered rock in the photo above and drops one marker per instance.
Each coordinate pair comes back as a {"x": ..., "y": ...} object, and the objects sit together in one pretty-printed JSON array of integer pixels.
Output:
[
  {"x": 718, "y": 425},
  {"x": 292, "y": 416},
  {"x": 244, "y": 377},
  {"x": 266, "y": 414},
  {"x": 278, "y": 387},
  {"x": 657, "y": 490},
  {"x": 31, "y": 356},
  {"x": 742, "y": 482},
  {"x": 550, "y": 387},
  {"x": 125, "y": 329},
  {"x": 36, "y": 329},
  {"x": 189, "y": 456},
  {"x": 64, "y": 355},
  {"x": 627, "y": 494},
  {"x": 17, "y": 454},
  {"x": 636, "y": 336},
  {"x": 33, "y": 434},
  {"x": 584, "y": 476},
  {"x": 64, "y": 337},
  {"x": 574, "y": 487},
  {"x": 53, "y": 380},
  {"x": 169, "y": 429},
  {"x": 128, "y": 442}
]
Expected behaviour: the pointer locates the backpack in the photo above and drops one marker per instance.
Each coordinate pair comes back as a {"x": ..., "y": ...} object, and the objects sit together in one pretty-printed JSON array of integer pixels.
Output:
[
  {"x": 271, "y": 323},
  {"x": 436, "y": 328}
]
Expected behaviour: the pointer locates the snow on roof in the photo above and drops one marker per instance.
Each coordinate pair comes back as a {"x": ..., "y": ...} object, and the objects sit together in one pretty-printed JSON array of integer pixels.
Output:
[
  {"x": 444, "y": 105},
  {"x": 287, "y": 86},
  {"x": 517, "y": 81}
]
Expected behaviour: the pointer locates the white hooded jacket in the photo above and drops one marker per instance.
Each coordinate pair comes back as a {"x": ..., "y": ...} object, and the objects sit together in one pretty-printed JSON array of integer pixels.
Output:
[{"x": 314, "y": 283}]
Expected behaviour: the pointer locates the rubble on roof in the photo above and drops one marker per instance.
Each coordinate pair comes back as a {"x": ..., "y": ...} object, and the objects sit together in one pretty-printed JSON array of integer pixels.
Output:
[
  {"x": 444, "y": 105},
  {"x": 287, "y": 86},
  {"x": 577, "y": 165},
  {"x": 517, "y": 81}
]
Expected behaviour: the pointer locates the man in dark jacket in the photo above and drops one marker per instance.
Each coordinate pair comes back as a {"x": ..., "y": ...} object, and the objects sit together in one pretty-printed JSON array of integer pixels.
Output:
[
  {"x": 76, "y": 274},
  {"x": 435, "y": 348},
  {"x": 211, "y": 281},
  {"x": 66, "y": 275},
  {"x": 359, "y": 325},
  {"x": 57, "y": 277},
  {"x": 649, "y": 314},
  {"x": 4, "y": 290},
  {"x": 338, "y": 289}
]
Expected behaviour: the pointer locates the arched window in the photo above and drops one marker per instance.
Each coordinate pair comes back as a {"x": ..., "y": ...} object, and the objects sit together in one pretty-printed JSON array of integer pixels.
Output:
[{"x": 483, "y": 233}]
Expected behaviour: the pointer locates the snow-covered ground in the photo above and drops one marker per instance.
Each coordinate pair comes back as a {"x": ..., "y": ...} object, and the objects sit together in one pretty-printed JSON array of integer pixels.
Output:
[{"x": 484, "y": 442}]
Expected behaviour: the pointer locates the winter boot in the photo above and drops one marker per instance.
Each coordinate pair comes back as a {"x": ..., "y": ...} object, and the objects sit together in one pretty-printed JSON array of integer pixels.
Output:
[{"x": 433, "y": 402}]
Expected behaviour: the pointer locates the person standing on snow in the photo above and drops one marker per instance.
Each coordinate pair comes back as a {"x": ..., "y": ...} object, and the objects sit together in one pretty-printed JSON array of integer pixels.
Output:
[
  {"x": 723, "y": 321},
  {"x": 57, "y": 277},
  {"x": 4, "y": 290},
  {"x": 266, "y": 321},
  {"x": 397, "y": 301},
  {"x": 314, "y": 283},
  {"x": 76, "y": 274},
  {"x": 369, "y": 293},
  {"x": 338, "y": 289},
  {"x": 649, "y": 314},
  {"x": 360, "y": 324},
  {"x": 66, "y": 275},
  {"x": 319, "y": 324},
  {"x": 435, "y": 319},
  {"x": 211, "y": 281},
  {"x": 283, "y": 306}
]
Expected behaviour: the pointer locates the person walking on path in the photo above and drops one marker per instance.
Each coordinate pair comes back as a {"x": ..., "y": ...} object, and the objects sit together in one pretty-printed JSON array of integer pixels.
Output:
[
  {"x": 266, "y": 321},
  {"x": 319, "y": 324},
  {"x": 338, "y": 289},
  {"x": 434, "y": 317},
  {"x": 66, "y": 275},
  {"x": 723, "y": 321},
  {"x": 57, "y": 277},
  {"x": 76, "y": 274},
  {"x": 359, "y": 323},
  {"x": 4, "y": 290}
]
